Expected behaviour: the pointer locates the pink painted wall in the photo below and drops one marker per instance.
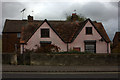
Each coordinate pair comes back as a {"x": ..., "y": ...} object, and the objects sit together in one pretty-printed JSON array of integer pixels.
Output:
[
  {"x": 101, "y": 47},
  {"x": 36, "y": 38}
]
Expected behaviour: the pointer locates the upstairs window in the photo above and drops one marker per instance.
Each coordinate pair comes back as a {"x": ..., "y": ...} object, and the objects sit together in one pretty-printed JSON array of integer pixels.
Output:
[
  {"x": 18, "y": 35},
  {"x": 45, "y": 33},
  {"x": 88, "y": 30}
]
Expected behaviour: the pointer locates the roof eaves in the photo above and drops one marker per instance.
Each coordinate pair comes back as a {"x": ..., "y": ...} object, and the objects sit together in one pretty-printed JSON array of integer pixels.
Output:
[
  {"x": 76, "y": 34},
  {"x": 55, "y": 31},
  {"x": 35, "y": 31},
  {"x": 98, "y": 31},
  {"x": 82, "y": 28},
  {"x": 40, "y": 26}
]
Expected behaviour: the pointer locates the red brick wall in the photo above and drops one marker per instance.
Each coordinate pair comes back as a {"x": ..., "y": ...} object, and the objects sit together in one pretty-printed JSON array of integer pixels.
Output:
[
  {"x": 116, "y": 40},
  {"x": 8, "y": 42}
]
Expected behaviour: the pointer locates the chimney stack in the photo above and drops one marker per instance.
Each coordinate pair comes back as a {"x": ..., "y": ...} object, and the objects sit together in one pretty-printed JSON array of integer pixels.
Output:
[
  {"x": 74, "y": 16},
  {"x": 30, "y": 18}
]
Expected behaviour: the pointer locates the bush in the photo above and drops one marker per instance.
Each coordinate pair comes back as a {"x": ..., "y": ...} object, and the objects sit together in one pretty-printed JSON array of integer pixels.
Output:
[
  {"x": 46, "y": 49},
  {"x": 72, "y": 52}
]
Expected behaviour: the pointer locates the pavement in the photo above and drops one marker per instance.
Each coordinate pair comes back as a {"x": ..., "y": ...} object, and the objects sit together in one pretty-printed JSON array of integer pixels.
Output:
[
  {"x": 60, "y": 75},
  {"x": 28, "y": 68}
]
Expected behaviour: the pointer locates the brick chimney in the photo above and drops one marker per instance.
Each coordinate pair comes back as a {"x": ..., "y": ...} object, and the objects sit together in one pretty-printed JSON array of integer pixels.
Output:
[
  {"x": 30, "y": 18},
  {"x": 74, "y": 16}
]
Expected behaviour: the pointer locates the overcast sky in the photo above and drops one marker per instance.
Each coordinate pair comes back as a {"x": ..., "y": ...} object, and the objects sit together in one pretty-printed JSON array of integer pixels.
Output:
[{"x": 101, "y": 11}]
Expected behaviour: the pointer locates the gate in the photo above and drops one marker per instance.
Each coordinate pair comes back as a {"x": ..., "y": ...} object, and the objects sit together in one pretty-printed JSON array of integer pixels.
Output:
[{"x": 23, "y": 59}]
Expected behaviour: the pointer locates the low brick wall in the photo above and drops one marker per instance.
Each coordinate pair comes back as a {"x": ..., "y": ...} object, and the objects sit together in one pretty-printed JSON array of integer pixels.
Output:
[
  {"x": 9, "y": 58},
  {"x": 44, "y": 59},
  {"x": 75, "y": 59}
]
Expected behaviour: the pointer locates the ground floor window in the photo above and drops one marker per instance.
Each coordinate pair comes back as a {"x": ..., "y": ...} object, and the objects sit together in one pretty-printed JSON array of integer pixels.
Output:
[
  {"x": 90, "y": 46},
  {"x": 76, "y": 49},
  {"x": 45, "y": 43}
]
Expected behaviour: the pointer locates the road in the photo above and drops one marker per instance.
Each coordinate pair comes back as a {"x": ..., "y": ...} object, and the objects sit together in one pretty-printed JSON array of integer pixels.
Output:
[
  {"x": 24, "y": 72},
  {"x": 60, "y": 75}
]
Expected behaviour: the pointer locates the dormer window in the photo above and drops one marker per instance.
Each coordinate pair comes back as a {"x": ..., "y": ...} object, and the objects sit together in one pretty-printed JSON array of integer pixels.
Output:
[
  {"x": 88, "y": 30},
  {"x": 45, "y": 33}
]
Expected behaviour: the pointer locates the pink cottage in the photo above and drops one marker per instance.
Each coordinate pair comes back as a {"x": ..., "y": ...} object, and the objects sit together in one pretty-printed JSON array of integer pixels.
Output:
[{"x": 82, "y": 36}]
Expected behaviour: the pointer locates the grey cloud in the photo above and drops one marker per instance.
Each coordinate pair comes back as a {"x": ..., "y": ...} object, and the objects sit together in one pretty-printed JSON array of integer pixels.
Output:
[
  {"x": 94, "y": 10},
  {"x": 11, "y": 9},
  {"x": 106, "y": 13},
  {"x": 115, "y": 4},
  {"x": 99, "y": 11}
]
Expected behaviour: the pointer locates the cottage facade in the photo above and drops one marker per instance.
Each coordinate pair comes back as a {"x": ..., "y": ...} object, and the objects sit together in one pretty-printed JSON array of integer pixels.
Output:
[{"x": 67, "y": 35}]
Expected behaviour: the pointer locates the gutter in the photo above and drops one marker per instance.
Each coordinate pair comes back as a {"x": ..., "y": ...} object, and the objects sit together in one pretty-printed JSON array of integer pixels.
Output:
[
  {"x": 107, "y": 48},
  {"x": 22, "y": 48},
  {"x": 67, "y": 46}
]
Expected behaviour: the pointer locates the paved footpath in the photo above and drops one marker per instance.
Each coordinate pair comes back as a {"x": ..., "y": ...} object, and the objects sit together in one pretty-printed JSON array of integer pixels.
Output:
[{"x": 28, "y": 68}]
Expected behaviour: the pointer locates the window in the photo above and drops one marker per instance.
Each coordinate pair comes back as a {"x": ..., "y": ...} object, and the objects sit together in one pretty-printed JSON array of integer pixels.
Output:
[
  {"x": 45, "y": 43},
  {"x": 90, "y": 47},
  {"x": 18, "y": 35},
  {"x": 76, "y": 49},
  {"x": 88, "y": 30},
  {"x": 44, "y": 33}
]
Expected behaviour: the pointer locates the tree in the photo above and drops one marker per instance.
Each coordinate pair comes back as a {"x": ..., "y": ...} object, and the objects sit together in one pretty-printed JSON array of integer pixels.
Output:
[{"x": 80, "y": 17}]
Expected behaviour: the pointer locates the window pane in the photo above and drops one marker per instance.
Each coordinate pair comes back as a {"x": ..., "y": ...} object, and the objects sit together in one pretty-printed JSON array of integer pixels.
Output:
[
  {"x": 90, "y": 47},
  {"x": 76, "y": 48},
  {"x": 44, "y": 32},
  {"x": 44, "y": 44},
  {"x": 88, "y": 30},
  {"x": 91, "y": 51}
]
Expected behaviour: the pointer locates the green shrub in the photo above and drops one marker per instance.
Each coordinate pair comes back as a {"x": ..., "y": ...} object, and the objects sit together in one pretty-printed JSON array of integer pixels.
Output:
[
  {"x": 46, "y": 49},
  {"x": 71, "y": 52}
]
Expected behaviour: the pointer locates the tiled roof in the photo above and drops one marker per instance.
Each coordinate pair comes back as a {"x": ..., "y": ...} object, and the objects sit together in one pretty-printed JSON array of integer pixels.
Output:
[
  {"x": 16, "y": 25},
  {"x": 67, "y": 31},
  {"x": 102, "y": 31},
  {"x": 117, "y": 36}
]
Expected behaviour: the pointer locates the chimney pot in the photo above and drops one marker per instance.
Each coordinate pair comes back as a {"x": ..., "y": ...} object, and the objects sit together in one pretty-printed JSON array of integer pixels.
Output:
[
  {"x": 30, "y": 18},
  {"x": 74, "y": 17}
]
